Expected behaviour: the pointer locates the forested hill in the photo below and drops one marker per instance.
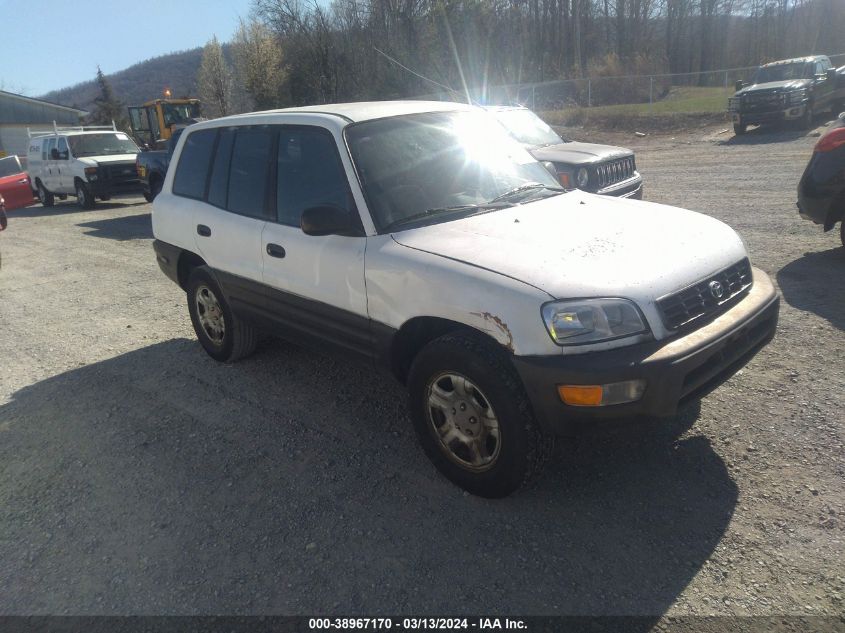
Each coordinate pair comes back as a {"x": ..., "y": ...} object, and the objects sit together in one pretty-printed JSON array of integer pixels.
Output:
[{"x": 144, "y": 81}]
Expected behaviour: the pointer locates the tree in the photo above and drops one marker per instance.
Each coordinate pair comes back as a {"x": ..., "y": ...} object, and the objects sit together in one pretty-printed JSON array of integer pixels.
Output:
[
  {"x": 258, "y": 62},
  {"x": 214, "y": 81},
  {"x": 107, "y": 107}
]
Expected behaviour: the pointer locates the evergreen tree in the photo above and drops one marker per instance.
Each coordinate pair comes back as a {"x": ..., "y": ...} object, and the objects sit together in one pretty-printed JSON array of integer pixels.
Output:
[{"x": 107, "y": 107}]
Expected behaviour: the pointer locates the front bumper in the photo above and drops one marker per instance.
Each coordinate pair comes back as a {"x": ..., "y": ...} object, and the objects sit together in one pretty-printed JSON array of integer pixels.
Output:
[
  {"x": 631, "y": 188},
  {"x": 678, "y": 370},
  {"x": 115, "y": 188},
  {"x": 771, "y": 116}
]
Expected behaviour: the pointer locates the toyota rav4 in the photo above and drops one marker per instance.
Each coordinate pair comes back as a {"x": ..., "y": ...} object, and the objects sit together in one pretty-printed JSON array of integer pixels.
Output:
[{"x": 421, "y": 237}]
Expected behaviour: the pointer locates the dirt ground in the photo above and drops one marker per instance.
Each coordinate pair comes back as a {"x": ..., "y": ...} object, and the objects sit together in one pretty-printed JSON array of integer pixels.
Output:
[{"x": 138, "y": 476}]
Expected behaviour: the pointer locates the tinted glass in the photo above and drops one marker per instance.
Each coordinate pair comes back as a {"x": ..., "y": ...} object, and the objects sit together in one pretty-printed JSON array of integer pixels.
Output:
[
  {"x": 249, "y": 170},
  {"x": 310, "y": 174},
  {"x": 51, "y": 145},
  {"x": 219, "y": 184},
  {"x": 194, "y": 162},
  {"x": 63, "y": 148}
]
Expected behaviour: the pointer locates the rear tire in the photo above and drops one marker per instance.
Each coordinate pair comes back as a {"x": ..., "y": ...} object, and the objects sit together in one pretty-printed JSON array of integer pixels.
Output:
[
  {"x": 842, "y": 231},
  {"x": 473, "y": 418},
  {"x": 47, "y": 199},
  {"x": 83, "y": 196},
  {"x": 155, "y": 188},
  {"x": 740, "y": 128},
  {"x": 224, "y": 336}
]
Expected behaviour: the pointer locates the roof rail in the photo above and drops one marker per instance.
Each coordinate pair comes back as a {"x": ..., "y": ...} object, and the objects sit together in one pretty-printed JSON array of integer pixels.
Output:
[{"x": 73, "y": 128}]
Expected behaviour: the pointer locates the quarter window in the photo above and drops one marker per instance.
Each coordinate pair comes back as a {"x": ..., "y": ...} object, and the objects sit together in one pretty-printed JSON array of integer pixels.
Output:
[
  {"x": 194, "y": 161},
  {"x": 309, "y": 174}
]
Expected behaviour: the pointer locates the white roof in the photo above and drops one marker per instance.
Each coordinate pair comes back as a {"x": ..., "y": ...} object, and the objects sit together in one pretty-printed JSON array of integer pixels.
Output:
[{"x": 366, "y": 110}]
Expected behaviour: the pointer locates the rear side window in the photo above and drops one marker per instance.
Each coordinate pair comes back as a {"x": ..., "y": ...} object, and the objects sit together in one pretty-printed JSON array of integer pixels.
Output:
[
  {"x": 194, "y": 162},
  {"x": 309, "y": 174},
  {"x": 249, "y": 171}
]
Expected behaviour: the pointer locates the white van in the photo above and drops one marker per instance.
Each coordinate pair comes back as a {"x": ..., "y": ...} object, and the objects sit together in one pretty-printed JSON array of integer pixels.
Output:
[{"x": 88, "y": 163}]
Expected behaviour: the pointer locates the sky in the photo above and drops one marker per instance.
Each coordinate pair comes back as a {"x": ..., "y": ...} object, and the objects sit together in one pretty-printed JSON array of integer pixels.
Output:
[{"x": 51, "y": 44}]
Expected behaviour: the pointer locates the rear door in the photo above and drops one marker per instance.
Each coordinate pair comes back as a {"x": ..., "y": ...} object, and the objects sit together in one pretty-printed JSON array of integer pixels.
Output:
[
  {"x": 316, "y": 284},
  {"x": 225, "y": 172},
  {"x": 14, "y": 184}
]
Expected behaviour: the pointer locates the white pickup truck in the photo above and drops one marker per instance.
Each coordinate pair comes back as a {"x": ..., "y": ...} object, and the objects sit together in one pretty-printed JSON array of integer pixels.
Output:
[{"x": 422, "y": 238}]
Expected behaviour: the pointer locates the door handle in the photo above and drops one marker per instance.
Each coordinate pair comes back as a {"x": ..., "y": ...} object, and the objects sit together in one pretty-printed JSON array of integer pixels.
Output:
[
  {"x": 23, "y": 181},
  {"x": 274, "y": 250},
  {"x": 203, "y": 230}
]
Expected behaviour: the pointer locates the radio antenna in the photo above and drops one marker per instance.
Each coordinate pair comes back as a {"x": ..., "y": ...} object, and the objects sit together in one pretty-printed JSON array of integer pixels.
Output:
[{"x": 414, "y": 72}]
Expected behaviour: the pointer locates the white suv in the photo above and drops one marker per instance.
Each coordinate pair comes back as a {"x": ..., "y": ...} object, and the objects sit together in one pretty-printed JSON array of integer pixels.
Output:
[
  {"x": 421, "y": 237},
  {"x": 88, "y": 163}
]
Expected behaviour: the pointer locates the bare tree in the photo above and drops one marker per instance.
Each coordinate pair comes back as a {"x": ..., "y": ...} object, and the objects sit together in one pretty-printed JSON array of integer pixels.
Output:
[
  {"x": 258, "y": 63},
  {"x": 214, "y": 81}
]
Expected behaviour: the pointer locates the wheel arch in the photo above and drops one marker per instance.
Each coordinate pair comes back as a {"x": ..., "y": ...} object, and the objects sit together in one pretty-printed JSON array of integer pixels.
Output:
[
  {"x": 418, "y": 332},
  {"x": 187, "y": 262}
]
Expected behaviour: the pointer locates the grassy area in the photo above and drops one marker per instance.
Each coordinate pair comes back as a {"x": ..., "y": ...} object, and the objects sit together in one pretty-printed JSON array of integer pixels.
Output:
[{"x": 680, "y": 104}]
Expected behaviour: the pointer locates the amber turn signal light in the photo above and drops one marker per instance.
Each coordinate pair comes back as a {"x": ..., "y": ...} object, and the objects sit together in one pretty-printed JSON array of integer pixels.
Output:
[{"x": 581, "y": 395}]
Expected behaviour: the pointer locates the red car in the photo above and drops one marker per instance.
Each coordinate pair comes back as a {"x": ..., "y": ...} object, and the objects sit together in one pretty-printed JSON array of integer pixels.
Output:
[{"x": 15, "y": 186}]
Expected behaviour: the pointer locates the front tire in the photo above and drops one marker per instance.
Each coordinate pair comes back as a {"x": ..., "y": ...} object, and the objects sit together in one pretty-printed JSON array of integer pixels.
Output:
[
  {"x": 473, "y": 418},
  {"x": 83, "y": 196},
  {"x": 47, "y": 199},
  {"x": 806, "y": 121},
  {"x": 842, "y": 231},
  {"x": 740, "y": 128},
  {"x": 224, "y": 336}
]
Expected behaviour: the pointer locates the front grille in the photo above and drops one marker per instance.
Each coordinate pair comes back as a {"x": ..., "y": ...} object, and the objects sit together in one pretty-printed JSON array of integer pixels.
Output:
[
  {"x": 119, "y": 172},
  {"x": 763, "y": 101},
  {"x": 614, "y": 171},
  {"x": 703, "y": 298}
]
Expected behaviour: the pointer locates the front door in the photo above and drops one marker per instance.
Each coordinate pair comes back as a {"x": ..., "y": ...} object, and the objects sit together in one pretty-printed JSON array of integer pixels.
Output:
[{"x": 316, "y": 284}]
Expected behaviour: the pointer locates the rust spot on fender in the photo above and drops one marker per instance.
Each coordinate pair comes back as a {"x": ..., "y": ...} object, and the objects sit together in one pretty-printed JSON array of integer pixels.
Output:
[{"x": 500, "y": 325}]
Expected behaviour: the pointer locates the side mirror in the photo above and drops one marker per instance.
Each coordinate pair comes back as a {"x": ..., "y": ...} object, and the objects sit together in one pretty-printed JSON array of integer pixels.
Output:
[
  {"x": 739, "y": 85},
  {"x": 550, "y": 167},
  {"x": 54, "y": 154},
  {"x": 327, "y": 220}
]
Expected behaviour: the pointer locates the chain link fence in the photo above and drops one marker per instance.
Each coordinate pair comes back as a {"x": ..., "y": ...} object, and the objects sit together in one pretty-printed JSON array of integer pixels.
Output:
[{"x": 661, "y": 93}]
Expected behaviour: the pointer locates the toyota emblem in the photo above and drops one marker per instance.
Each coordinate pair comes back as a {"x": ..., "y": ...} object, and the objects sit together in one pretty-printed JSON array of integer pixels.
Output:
[{"x": 717, "y": 289}]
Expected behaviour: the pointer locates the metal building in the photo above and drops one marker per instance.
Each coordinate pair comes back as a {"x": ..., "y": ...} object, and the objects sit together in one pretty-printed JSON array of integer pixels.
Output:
[{"x": 17, "y": 113}]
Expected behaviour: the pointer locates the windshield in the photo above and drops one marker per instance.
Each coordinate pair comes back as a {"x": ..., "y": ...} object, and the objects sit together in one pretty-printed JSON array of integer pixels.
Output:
[
  {"x": 10, "y": 166},
  {"x": 441, "y": 165},
  {"x": 527, "y": 128},
  {"x": 179, "y": 112},
  {"x": 101, "y": 144},
  {"x": 784, "y": 72}
]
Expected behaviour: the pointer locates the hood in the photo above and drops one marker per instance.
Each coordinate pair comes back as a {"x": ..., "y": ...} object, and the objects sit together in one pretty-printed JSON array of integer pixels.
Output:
[
  {"x": 579, "y": 153},
  {"x": 777, "y": 86},
  {"x": 584, "y": 245},
  {"x": 93, "y": 161}
]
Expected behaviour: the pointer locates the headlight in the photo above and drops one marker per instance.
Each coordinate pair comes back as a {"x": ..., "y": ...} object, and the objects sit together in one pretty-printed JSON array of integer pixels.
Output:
[
  {"x": 582, "y": 321},
  {"x": 582, "y": 177},
  {"x": 91, "y": 173},
  {"x": 797, "y": 96}
]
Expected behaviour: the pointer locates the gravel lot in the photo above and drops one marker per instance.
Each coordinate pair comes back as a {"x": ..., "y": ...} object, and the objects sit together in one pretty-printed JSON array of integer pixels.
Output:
[{"x": 139, "y": 476}]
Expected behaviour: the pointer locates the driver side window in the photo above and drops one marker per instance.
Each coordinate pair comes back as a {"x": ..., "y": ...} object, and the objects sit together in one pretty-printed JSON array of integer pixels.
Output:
[{"x": 63, "y": 149}]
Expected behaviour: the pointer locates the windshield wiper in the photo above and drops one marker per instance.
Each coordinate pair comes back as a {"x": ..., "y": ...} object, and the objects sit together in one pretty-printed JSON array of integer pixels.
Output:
[
  {"x": 524, "y": 188},
  {"x": 440, "y": 210}
]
